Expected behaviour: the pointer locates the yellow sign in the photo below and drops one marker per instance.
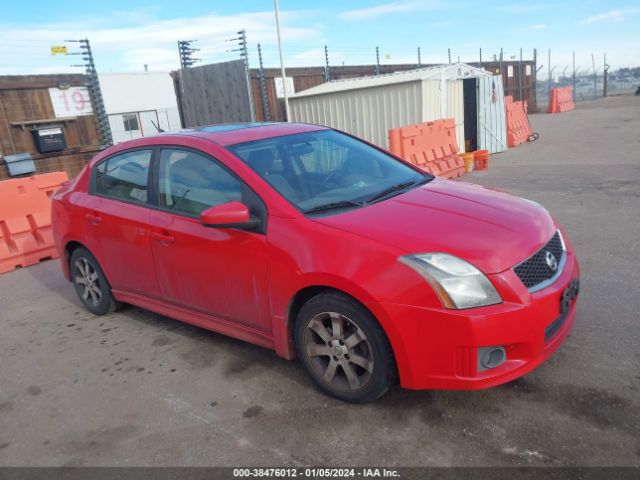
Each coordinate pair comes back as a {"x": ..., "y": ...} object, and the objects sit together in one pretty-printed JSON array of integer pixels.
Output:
[{"x": 59, "y": 50}]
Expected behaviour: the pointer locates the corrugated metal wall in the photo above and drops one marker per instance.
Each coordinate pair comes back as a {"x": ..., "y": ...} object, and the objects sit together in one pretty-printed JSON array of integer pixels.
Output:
[
  {"x": 454, "y": 105},
  {"x": 368, "y": 113},
  {"x": 492, "y": 126}
]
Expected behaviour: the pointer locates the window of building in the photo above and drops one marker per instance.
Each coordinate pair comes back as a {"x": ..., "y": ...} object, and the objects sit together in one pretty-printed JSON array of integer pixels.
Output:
[{"x": 130, "y": 121}]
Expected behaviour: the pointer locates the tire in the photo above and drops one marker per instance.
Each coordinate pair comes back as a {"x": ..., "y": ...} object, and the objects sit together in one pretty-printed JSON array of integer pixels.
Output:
[
  {"x": 356, "y": 364},
  {"x": 84, "y": 268}
]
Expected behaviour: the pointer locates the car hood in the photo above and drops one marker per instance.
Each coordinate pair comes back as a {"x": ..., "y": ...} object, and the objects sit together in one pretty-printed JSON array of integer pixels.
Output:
[{"x": 491, "y": 229}]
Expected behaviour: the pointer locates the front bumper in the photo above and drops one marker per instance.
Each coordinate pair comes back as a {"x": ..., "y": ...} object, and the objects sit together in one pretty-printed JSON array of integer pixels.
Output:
[{"x": 437, "y": 348}]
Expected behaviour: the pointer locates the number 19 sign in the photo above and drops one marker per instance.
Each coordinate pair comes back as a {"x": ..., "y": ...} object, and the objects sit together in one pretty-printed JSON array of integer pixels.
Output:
[{"x": 70, "y": 102}]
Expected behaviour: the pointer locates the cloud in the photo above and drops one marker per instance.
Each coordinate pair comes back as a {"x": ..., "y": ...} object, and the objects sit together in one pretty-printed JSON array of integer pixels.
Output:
[
  {"x": 128, "y": 40},
  {"x": 611, "y": 16},
  {"x": 391, "y": 8},
  {"x": 524, "y": 7},
  {"x": 529, "y": 28}
]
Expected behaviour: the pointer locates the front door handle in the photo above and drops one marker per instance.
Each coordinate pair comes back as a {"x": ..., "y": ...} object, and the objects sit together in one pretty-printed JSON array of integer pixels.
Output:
[
  {"x": 164, "y": 240},
  {"x": 93, "y": 219}
]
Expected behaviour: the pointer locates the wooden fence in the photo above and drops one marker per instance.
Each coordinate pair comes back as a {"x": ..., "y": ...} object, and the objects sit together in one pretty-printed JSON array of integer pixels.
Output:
[
  {"x": 215, "y": 93},
  {"x": 26, "y": 103}
]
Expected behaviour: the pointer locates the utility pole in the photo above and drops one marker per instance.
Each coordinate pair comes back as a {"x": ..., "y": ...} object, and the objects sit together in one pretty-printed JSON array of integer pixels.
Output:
[
  {"x": 282, "y": 70},
  {"x": 377, "y": 61},
  {"x": 449, "y": 54},
  {"x": 500, "y": 65},
  {"x": 244, "y": 55},
  {"x": 93, "y": 85},
  {"x": 480, "y": 62},
  {"x": 595, "y": 75},
  {"x": 574, "y": 76},
  {"x": 327, "y": 76},
  {"x": 534, "y": 79},
  {"x": 521, "y": 76},
  {"x": 606, "y": 75},
  {"x": 549, "y": 73},
  {"x": 185, "y": 50},
  {"x": 266, "y": 112},
  {"x": 419, "y": 59}
]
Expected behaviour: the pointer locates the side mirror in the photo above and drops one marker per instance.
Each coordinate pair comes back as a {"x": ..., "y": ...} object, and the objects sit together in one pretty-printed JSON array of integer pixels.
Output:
[{"x": 229, "y": 215}]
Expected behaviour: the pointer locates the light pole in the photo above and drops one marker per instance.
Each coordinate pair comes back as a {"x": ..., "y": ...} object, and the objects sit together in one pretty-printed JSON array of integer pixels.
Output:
[{"x": 282, "y": 71}]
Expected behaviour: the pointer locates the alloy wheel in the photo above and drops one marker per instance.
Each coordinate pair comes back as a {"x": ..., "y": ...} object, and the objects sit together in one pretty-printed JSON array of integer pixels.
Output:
[
  {"x": 88, "y": 282},
  {"x": 338, "y": 351}
]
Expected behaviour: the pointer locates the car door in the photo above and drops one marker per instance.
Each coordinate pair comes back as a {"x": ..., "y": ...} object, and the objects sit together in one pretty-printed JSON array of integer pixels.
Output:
[
  {"x": 116, "y": 215},
  {"x": 218, "y": 271}
]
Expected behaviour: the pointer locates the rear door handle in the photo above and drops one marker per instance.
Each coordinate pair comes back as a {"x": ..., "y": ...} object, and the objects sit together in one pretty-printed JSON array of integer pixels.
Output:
[
  {"x": 164, "y": 240},
  {"x": 92, "y": 219}
]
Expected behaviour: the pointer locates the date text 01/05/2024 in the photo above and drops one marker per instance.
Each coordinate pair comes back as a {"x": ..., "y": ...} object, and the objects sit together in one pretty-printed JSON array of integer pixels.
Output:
[{"x": 315, "y": 472}]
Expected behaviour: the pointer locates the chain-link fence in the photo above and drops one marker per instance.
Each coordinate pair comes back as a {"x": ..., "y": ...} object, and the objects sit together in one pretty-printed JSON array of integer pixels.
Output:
[{"x": 590, "y": 78}]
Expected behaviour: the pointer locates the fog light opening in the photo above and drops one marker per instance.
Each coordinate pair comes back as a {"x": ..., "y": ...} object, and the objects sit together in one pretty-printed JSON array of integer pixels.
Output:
[{"x": 490, "y": 357}]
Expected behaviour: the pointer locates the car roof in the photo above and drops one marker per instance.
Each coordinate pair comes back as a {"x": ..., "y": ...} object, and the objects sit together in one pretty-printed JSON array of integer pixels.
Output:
[
  {"x": 234, "y": 133},
  {"x": 224, "y": 134}
]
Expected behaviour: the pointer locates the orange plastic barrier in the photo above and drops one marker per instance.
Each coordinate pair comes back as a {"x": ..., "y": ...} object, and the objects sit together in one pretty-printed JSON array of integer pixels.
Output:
[
  {"x": 561, "y": 100},
  {"x": 25, "y": 220},
  {"x": 518, "y": 128},
  {"x": 481, "y": 160},
  {"x": 430, "y": 146}
]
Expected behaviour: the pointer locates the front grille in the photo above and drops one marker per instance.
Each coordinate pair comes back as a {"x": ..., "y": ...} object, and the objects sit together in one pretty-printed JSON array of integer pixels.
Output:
[{"x": 535, "y": 272}]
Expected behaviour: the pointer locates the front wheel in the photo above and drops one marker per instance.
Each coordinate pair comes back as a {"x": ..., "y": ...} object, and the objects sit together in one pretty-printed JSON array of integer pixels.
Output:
[
  {"x": 344, "y": 349},
  {"x": 90, "y": 283}
]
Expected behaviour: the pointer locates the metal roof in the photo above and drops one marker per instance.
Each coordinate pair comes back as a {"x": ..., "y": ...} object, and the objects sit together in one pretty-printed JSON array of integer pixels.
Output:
[
  {"x": 449, "y": 71},
  {"x": 227, "y": 127}
]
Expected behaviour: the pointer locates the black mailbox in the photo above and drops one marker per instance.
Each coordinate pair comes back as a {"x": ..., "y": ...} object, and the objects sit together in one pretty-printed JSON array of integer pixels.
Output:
[{"x": 49, "y": 139}]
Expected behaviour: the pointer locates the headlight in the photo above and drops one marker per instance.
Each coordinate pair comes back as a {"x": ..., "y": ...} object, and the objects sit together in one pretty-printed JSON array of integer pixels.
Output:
[{"x": 458, "y": 283}]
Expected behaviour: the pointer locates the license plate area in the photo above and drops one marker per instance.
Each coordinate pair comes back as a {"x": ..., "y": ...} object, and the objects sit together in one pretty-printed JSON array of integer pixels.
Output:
[{"x": 568, "y": 296}]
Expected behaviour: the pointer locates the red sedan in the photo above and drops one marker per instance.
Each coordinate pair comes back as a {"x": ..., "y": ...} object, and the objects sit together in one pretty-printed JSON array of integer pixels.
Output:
[{"x": 320, "y": 246}]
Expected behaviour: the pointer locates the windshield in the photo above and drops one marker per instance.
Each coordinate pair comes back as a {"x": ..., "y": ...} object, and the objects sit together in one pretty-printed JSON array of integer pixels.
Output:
[{"x": 325, "y": 170}]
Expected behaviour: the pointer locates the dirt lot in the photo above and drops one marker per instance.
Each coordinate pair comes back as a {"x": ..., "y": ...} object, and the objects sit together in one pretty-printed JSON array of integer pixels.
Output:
[{"x": 135, "y": 388}]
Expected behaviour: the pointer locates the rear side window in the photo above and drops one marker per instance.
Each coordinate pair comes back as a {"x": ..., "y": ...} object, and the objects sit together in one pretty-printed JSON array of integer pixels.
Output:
[{"x": 125, "y": 176}]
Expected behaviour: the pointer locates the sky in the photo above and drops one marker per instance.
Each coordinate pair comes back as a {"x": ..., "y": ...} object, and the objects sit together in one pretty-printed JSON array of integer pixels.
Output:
[{"x": 127, "y": 34}]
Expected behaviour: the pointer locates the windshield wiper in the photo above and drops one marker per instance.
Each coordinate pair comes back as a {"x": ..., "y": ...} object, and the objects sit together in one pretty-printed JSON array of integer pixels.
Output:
[
  {"x": 395, "y": 188},
  {"x": 334, "y": 205}
]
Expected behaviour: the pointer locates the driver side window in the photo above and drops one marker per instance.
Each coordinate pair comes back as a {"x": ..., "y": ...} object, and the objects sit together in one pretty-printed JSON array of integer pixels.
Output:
[{"x": 190, "y": 183}]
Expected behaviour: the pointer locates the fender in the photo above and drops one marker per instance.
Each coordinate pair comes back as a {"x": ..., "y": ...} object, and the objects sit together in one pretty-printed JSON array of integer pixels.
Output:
[{"x": 281, "y": 314}]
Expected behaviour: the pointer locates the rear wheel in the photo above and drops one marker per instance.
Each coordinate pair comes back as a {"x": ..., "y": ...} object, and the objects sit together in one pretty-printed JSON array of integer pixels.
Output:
[
  {"x": 90, "y": 283},
  {"x": 344, "y": 349}
]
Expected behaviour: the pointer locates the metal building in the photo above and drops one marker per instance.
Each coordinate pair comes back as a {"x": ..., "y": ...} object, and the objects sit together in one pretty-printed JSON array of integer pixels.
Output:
[
  {"x": 138, "y": 104},
  {"x": 485, "y": 124},
  {"x": 369, "y": 106}
]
